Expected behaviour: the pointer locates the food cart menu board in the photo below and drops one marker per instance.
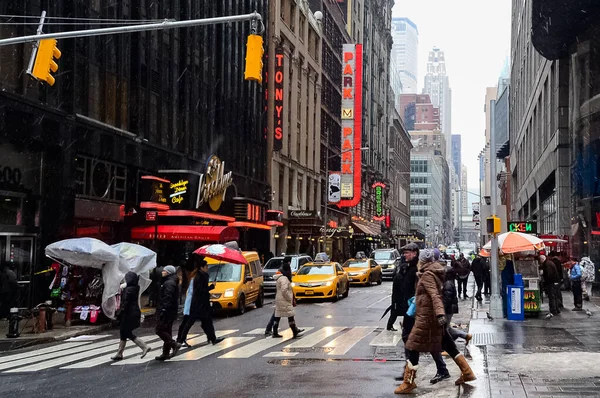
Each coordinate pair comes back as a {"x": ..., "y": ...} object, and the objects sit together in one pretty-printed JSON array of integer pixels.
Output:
[
  {"x": 528, "y": 268},
  {"x": 532, "y": 300}
]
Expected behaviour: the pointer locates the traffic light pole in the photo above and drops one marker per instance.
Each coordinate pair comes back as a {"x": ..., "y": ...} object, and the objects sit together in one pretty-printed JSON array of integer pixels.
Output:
[
  {"x": 166, "y": 24},
  {"x": 496, "y": 300},
  {"x": 34, "y": 49}
]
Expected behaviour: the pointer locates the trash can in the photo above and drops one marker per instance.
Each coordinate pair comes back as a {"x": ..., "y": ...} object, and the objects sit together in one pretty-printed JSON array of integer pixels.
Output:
[{"x": 515, "y": 308}]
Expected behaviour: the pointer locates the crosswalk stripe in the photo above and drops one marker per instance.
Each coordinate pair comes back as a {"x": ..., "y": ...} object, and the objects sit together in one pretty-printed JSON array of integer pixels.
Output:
[
  {"x": 199, "y": 339},
  {"x": 66, "y": 359},
  {"x": 316, "y": 337},
  {"x": 387, "y": 338},
  {"x": 254, "y": 348},
  {"x": 133, "y": 349},
  {"x": 342, "y": 344},
  {"x": 198, "y": 353},
  {"x": 256, "y": 331},
  {"x": 279, "y": 354},
  {"x": 35, "y": 353}
]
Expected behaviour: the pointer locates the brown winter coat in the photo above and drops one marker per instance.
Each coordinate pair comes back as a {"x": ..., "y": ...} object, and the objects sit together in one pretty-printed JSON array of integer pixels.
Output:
[
  {"x": 426, "y": 334},
  {"x": 284, "y": 298}
]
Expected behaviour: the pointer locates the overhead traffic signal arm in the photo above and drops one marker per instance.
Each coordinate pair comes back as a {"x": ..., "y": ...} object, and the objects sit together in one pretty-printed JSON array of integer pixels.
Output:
[{"x": 45, "y": 63}]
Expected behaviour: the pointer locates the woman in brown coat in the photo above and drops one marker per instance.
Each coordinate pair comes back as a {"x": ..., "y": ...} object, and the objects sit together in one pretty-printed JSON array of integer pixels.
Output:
[{"x": 429, "y": 333}]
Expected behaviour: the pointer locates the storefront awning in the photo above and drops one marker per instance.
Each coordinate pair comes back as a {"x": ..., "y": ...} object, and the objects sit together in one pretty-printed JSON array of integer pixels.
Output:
[
  {"x": 186, "y": 232},
  {"x": 368, "y": 229}
]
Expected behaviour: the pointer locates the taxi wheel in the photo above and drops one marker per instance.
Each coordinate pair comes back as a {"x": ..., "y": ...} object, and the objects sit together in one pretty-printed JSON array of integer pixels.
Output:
[
  {"x": 241, "y": 305},
  {"x": 336, "y": 294},
  {"x": 369, "y": 282},
  {"x": 260, "y": 300}
]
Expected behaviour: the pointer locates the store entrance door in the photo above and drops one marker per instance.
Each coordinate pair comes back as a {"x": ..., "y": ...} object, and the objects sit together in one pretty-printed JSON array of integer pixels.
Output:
[{"x": 19, "y": 252}]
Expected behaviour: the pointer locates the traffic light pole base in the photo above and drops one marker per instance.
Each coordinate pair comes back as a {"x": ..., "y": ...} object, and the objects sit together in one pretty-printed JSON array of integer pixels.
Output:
[{"x": 496, "y": 311}]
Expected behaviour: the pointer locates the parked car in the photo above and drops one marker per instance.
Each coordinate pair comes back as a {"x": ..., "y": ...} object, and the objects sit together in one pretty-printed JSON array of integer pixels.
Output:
[
  {"x": 388, "y": 259},
  {"x": 271, "y": 267}
]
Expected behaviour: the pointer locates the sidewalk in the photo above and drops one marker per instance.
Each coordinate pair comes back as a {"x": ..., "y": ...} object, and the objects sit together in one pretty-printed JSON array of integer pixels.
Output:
[{"x": 538, "y": 357}]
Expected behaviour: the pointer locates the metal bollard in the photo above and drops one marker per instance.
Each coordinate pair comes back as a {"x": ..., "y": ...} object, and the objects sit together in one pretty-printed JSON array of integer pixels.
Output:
[
  {"x": 41, "y": 320},
  {"x": 68, "y": 313},
  {"x": 13, "y": 324},
  {"x": 49, "y": 314}
]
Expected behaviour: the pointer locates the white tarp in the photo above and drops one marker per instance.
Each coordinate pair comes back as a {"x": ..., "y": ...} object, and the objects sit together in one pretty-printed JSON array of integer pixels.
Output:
[{"x": 114, "y": 261}]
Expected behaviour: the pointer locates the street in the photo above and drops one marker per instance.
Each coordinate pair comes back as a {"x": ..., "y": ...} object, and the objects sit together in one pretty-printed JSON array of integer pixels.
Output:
[{"x": 344, "y": 352}]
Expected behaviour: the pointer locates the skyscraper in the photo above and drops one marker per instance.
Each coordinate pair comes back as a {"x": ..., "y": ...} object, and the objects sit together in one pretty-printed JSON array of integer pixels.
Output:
[
  {"x": 437, "y": 85},
  {"x": 404, "y": 52},
  {"x": 456, "y": 157}
]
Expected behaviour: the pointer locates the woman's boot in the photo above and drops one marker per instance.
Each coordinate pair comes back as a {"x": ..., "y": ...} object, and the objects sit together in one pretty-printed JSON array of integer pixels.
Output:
[
  {"x": 119, "y": 355},
  {"x": 466, "y": 372},
  {"x": 410, "y": 372},
  {"x": 142, "y": 345},
  {"x": 276, "y": 334},
  {"x": 297, "y": 332}
]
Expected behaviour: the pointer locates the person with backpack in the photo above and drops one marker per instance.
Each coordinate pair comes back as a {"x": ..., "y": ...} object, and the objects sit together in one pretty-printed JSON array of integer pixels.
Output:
[
  {"x": 588, "y": 276},
  {"x": 575, "y": 277}
]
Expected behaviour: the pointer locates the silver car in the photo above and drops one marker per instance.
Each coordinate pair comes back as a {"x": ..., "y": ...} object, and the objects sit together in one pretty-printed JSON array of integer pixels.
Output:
[
  {"x": 271, "y": 267},
  {"x": 389, "y": 259}
]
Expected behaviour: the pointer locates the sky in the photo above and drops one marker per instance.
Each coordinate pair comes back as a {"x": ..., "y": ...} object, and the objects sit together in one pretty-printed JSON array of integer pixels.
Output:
[{"x": 475, "y": 38}]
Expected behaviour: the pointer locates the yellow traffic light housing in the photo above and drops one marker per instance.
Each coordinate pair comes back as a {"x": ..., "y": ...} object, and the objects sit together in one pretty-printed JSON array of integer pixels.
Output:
[
  {"x": 254, "y": 55},
  {"x": 493, "y": 225},
  {"x": 47, "y": 52}
]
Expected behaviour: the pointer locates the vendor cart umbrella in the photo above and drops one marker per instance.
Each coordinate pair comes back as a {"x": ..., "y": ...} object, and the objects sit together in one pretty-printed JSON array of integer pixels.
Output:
[
  {"x": 222, "y": 253},
  {"x": 514, "y": 242},
  {"x": 85, "y": 252}
]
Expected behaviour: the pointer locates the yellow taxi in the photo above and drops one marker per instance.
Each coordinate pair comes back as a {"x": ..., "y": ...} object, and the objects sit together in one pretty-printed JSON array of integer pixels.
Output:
[
  {"x": 320, "y": 280},
  {"x": 363, "y": 271},
  {"x": 236, "y": 285}
]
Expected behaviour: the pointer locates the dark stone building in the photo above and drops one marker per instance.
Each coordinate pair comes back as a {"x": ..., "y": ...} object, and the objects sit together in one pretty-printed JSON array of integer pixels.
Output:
[{"x": 123, "y": 106}]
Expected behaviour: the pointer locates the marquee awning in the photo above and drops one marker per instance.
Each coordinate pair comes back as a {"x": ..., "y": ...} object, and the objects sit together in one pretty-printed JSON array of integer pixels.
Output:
[
  {"x": 186, "y": 232},
  {"x": 368, "y": 229}
]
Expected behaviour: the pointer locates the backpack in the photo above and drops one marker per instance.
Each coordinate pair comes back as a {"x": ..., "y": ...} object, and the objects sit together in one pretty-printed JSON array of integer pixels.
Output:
[{"x": 588, "y": 270}]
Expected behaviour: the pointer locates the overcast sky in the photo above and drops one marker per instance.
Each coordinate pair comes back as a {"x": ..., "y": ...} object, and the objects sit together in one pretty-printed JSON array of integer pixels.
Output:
[{"x": 475, "y": 38}]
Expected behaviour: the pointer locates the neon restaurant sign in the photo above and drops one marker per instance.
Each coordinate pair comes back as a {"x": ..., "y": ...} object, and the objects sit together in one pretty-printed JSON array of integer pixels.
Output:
[
  {"x": 522, "y": 226},
  {"x": 278, "y": 114},
  {"x": 350, "y": 185},
  {"x": 379, "y": 212}
]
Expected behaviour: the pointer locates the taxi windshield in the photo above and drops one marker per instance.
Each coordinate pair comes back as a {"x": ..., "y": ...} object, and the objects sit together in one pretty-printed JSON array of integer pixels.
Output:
[
  {"x": 316, "y": 270},
  {"x": 356, "y": 264},
  {"x": 224, "y": 272}
]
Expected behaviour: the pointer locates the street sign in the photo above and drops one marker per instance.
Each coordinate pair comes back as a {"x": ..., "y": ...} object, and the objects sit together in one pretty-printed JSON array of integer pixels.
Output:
[
  {"x": 334, "y": 188},
  {"x": 151, "y": 216},
  {"x": 476, "y": 218},
  {"x": 475, "y": 207}
]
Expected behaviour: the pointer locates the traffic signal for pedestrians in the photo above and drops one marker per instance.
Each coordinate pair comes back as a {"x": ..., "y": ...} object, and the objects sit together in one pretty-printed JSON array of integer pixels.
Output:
[
  {"x": 254, "y": 55},
  {"x": 47, "y": 52},
  {"x": 493, "y": 225}
]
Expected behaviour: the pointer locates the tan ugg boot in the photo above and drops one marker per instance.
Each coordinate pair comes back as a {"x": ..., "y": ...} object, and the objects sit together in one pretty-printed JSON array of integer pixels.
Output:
[
  {"x": 410, "y": 372},
  {"x": 466, "y": 372}
]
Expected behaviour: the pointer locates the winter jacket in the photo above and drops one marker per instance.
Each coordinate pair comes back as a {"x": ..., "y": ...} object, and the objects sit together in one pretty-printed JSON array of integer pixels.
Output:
[
  {"x": 200, "y": 305},
  {"x": 284, "y": 298},
  {"x": 588, "y": 270},
  {"x": 478, "y": 267},
  {"x": 168, "y": 298},
  {"x": 463, "y": 268},
  {"x": 404, "y": 286},
  {"x": 559, "y": 268},
  {"x": 450, "y": 297},
  {"x": 426, "y": 334},
  {"x": 187, "y": 305},
  {"x": 576, "y": 272},
  {"x": 130, "y": 309},
  {"x": 550, "y": 272}
]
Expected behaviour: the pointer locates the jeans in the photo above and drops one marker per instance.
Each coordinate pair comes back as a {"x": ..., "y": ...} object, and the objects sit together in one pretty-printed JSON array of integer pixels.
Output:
[
  {"x": 586, "y": 289},
  {"x": 577, "y": 294},
  {"x": 270, "y": 324}
]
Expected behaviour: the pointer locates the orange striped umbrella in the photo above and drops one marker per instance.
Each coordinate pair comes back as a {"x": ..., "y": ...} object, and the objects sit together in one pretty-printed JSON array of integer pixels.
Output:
[{"x": 514, "y": 242}]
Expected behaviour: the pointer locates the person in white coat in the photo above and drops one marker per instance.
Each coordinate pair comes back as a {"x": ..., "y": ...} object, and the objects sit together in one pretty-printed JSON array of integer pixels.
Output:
[{"x": 284, "y": 302}]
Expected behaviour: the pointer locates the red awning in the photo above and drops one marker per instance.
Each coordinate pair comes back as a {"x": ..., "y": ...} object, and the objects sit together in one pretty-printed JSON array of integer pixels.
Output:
[{"x": 186, "y": 232}]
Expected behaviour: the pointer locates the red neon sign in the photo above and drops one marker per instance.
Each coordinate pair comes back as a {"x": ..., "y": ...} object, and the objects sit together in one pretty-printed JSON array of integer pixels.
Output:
[{"x": 278, "y": 114}]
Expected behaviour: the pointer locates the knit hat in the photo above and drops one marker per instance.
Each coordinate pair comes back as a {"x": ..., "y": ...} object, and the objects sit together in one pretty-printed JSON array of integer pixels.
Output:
[
  {"x": 169, "y": 269},
  {"x": 426, "y": 256},
  {"x": 436, "y": 254}
]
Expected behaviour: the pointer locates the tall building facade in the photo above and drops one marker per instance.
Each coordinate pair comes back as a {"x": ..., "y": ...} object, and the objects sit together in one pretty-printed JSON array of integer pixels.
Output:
[
  {"x": 295, "y": 59},
  {"x": 437, "y": 85},
  {"x": 405, "y": 53},
  {"x": 418, "y": 112},
  {"x": 464, "y": 195},
  {"x": 456, "y": 156}
]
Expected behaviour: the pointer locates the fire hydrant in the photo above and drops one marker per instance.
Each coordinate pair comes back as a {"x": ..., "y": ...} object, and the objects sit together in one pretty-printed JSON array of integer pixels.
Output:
[{"x": 13, "y": 323}]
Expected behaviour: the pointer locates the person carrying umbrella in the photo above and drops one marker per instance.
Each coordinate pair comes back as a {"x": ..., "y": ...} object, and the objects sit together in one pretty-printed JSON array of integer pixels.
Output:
[
  {"x": 168, "y": 304},
  {"x": 129, "y": 318}
]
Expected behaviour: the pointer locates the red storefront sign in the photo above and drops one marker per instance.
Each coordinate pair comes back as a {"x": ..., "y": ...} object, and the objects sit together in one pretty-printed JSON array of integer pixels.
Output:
[
  {"x": 185, "y": 232},
  {"x": 278, "y": 114}
]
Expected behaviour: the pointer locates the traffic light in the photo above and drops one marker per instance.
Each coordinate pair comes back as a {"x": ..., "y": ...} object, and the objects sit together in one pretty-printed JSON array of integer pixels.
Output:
[
  {"x": 47, "y": 52},
  {"x": 493, "y": 225},
  {"x": 254, "y": 55}
]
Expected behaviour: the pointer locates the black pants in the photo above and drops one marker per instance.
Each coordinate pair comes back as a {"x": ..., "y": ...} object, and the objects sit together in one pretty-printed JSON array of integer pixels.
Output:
[
  {"x": 487, "y": 286},
  {"x": 462, "y": 285},
  {"x": 393, "y": 318},
  {"x": 407, "y": 325},
  {"x": 479, "y": 282},
  {"x": 164, "y": 330},
  {"x": 559, "y": 296},
  {"x": 181, "y": 330},
  {"x": 271, "y": 323},
  {"x": 207, "y": 326},
  {"x": 126, "y": 333},
  {"x": 577, "y": 294},
  {"x": 552, "y": 299},
  {"x": 448, "y": 345},
  {"x": 291, "y": 323}
]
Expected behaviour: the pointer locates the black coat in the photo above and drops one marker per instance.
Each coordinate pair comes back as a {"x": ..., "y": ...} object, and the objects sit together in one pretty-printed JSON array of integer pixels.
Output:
[
  {"x": 559, "y": 268},
  {"x": 168, "y": 302},
  {"x": 550, "y": 272},
  {"x": 130, "y": 308},
  {"x": 477, "y": 267},
  {"x": 450, "y": 297},
  {"x": 201, "y": 296},
  {"x": 404, "y": 286}
]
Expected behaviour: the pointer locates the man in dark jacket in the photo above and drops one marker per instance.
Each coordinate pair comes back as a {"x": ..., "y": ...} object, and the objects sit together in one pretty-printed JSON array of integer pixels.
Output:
[
  {"x": 167, "y": 310},
  {"x": 463, "y": 269},
  {"x": 551, "y": 281},
  {"x": 478, "y": 273},
  {"x": 9, "y": 290},
  {"x": 201, "y": 308},
  {"x": 404, "y": 286},
  {"x": 560, "y": 270}
]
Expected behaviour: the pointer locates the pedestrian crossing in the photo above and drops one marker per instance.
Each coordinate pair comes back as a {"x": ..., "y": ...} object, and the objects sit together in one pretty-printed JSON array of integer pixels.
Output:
[{"x": 328, "y": 341}]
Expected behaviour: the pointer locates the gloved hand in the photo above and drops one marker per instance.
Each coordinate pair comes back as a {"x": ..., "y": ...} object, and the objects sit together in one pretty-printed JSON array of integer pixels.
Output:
[
  {"x": 211, "y": 286},
  {"x": 441, "y": 320}
]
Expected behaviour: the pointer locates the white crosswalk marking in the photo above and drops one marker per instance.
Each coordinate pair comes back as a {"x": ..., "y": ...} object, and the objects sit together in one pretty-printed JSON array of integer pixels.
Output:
[
  {"x": 199, "y": 339},
  {"x": 198, "y": 353},
  {"x": 315, "y": 338},
  {"x": 35, "y": 353},
  {"x": 342, "y": 344},
  {"x": 66, "y": 359},
  {"x": 387, "y": 338},
  {"x": 254, "y": 348},
  {"x": 256, "y": 331},
  {"x": 279, "y": 354}
]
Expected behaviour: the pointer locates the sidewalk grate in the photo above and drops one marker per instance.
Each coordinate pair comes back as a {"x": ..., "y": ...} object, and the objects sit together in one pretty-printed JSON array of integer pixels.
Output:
[{"x": 489, "y": 338}]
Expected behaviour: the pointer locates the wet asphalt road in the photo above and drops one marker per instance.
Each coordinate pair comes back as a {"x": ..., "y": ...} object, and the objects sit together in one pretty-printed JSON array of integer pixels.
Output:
[{"x": 325, "y": 369}]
